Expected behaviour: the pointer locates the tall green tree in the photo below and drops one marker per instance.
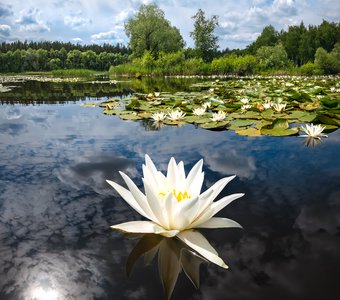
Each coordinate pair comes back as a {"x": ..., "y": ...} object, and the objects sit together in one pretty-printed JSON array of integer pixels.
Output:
[
  {"x": 268, "y": 37},
  {"x": 149, "y": 31},
  {"x": 206, "y": 42}
]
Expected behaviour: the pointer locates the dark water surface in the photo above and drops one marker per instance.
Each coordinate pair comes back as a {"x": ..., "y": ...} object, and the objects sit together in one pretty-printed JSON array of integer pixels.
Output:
[{"x": 56, "y": 208}]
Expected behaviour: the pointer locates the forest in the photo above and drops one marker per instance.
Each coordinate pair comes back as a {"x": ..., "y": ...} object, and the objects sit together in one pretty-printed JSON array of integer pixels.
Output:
[{"x": 157, "y": 48}]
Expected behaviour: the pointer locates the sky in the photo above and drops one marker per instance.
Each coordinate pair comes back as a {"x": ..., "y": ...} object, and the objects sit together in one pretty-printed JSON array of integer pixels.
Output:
[{"x": 102, "y": 21}]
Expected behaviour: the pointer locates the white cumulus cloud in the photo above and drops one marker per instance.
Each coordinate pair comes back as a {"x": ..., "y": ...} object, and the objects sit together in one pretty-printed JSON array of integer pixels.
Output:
[{"x": 5, "y": 30}]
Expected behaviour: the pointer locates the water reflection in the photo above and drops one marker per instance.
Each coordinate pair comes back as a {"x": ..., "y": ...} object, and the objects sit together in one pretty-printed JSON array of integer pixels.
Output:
[
  {"x": 56, "y": 210},
  {"x": 173, "y": 257},
  {"x": 312, "y": 142}
]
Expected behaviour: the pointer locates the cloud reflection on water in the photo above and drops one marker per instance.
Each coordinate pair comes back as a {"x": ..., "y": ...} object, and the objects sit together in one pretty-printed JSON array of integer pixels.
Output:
[{"x": 55, "y": 208}]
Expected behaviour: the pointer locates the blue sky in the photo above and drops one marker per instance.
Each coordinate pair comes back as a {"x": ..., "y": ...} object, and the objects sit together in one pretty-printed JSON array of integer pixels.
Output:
[{"x": 99, "y": 21}]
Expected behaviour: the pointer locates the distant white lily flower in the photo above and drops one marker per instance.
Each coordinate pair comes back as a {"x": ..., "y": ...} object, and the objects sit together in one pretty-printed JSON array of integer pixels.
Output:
[
  {"x": 206, "y": 105},
  {"x": 158, "y": 116},
  {"x": 219, "y": 116},
  {"x": 199, "y": 111},
  {"x": 176, "y": 115},
  {"x": 244, "y": 100},
  {"x": 314, "y": 131},
  {"x": 246, "y": 106},
  {"x": 211, "y": 90},
  {"x": 157, "y": 94},
  {"x": 174, "y": 205},
  {"x": 267, "y": 105},
  {"x": 279, "y": 107}
]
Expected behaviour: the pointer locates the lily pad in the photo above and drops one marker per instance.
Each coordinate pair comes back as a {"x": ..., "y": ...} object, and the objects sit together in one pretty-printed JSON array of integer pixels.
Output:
[
  {"x": 214, "y": 125},
  {"x": 130, "y": 117},
  {"x": 249, "y": 132}
]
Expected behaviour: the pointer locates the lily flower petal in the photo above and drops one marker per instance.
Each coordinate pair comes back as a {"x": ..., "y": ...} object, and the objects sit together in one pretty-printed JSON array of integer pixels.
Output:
[
  {"x": 199, "y": 243},
  {"x": 216, "y": 222},
  {"x": 144, "y": 227},
  {"x": 128, "y": 197},
  {"x": 214, "y": 209},
  {"x": 139, "y": 196}
]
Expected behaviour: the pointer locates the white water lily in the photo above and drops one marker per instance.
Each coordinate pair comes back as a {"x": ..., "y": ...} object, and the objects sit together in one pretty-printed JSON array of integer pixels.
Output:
[
  {"x": 158, "y": 116},
  {"x": 244, "y": 100},
  {"x": 176, "y": 115},
  {"x": 267, "y": 105},
  {"x": 279, "y": 107},
  {"x": 314, "y": 131},
  {"x": 174, "y": 205},
  {"x": 206, "y": 105},
  {"x": 246, "y": 106},
  {"x": 199, "y": 111},
  {"x": 219, "y": 116}
]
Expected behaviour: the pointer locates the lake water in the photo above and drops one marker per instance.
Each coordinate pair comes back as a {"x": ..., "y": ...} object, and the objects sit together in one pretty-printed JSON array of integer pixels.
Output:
[{"x": 56, "y": 208}]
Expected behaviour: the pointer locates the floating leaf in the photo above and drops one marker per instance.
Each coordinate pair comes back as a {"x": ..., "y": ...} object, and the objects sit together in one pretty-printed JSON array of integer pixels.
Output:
[
  {"x": 214, "y": 125},
  {"x": 279, "y": 131},
  {"x": 197, "y": 119},
  {"x": 249, "y": 132},
  {"x": 267, "y": 114},
  {"x": 236, "y": 124},
  {"x": 303, "y": 116},
  {"x": 328, "y": 120},
  {"x": 88, "y": 104},
  {"x": 130, "y": 117},
  {"x": 134, "y": 103}
]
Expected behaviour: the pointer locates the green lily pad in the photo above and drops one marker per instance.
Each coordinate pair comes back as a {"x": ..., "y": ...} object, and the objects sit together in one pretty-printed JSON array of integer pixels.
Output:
[
  {"x": 267, "y": 114},
  {"x": 249, "y": 132},
  {"x": 197, "y": 119},
  {"x": 130, "y": 117},
  {"x": 279, "y": 131},
  {"x": 303, "y": 116},
  {"x": 89, "y": 104},
  {"x": 214, "y": 125},
  {"x": 328, "y": 120},
  {"x": 280, "y": 127},
  {"x": 236, "y": 124}
]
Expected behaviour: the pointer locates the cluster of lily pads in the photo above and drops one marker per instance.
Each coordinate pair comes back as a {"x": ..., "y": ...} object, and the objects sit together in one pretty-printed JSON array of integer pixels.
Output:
[{"x": 252, "y": 107}]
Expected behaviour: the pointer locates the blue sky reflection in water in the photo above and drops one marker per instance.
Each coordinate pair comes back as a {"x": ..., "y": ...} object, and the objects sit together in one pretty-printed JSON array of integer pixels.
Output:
[{"x": 56, "y": 208}]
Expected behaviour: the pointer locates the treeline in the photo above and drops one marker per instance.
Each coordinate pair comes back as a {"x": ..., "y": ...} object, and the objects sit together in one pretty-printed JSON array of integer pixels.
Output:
[
  {"x": 299, "y": 50},
  {"x": 57, "y": 45},
  {"x": 48, "y": 60},
  {"x": 300, "y": 42},
  {"x": 157, "y": 48}
]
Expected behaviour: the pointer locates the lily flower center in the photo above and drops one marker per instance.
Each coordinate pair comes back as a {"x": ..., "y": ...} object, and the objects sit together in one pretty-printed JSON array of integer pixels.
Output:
[{"x": 178, "y": 195}]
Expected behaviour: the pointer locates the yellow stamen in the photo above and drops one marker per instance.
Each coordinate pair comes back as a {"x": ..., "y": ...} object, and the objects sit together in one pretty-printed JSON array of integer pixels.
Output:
[{"x": 179, "y": 196}]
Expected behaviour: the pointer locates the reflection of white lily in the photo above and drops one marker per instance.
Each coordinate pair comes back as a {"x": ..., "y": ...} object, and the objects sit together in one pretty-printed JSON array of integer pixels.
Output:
[
  {"x": 176, "y": 115},
  {"x": 219, "y": 116},
  {"x": 158, "y": 116},
  {"x": 174, "y": 204},
  {"x": 314, "y": 131},
  {"x": 173, "y": 257},
  {"x": 199, "y": 111}
]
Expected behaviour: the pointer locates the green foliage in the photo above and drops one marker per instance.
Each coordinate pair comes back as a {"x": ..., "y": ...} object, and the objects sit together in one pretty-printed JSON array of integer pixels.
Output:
[
  {"x": 327, "y": 62},
  {"x": 74, "y": 73},
  {"x": 272, "y": 57},
  {"x": 203, "y": 35},
  {"x": 268, "y": 37},
  {"x": 224, "y": 65},
  {"x": 244, "y": 65},
  {"x": 43, "y": 60},
  {"x": 149, "y": 31},
  {"x": 309, "y": 69}
]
